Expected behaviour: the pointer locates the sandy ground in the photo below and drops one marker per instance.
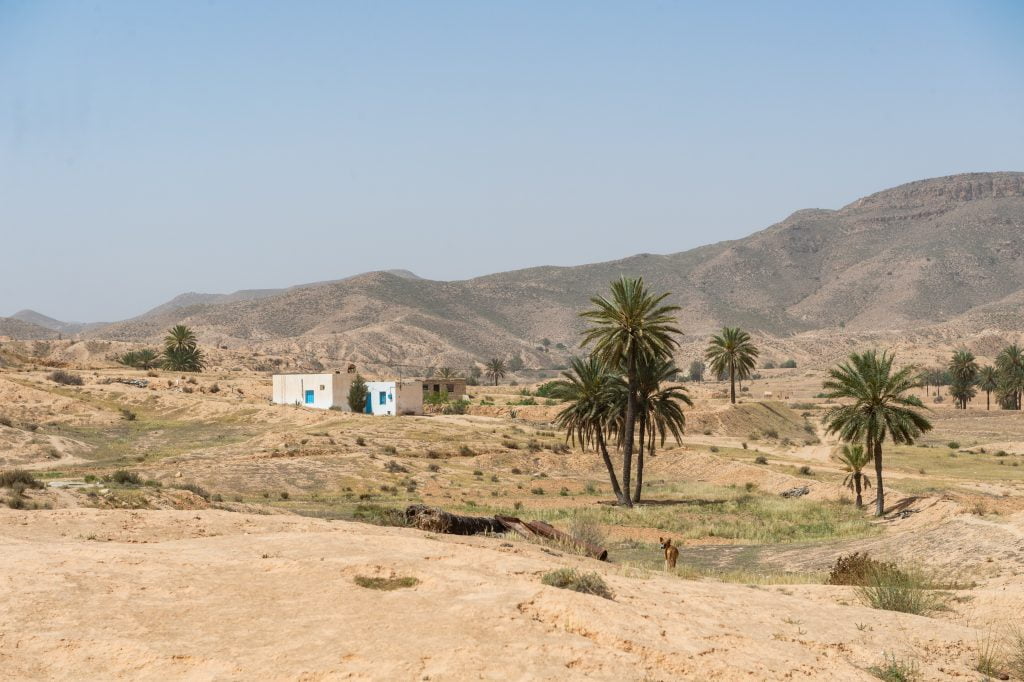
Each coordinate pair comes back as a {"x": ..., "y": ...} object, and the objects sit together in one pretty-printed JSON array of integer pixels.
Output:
[{"x": 90, "y": 594}]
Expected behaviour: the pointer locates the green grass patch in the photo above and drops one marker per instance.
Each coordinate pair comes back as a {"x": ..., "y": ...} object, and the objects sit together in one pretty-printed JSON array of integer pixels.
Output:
[{"x": 386, "y": 584}]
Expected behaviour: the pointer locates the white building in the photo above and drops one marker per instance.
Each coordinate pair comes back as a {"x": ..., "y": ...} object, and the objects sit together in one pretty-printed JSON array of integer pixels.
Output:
[{"x": 326, "y": 391}]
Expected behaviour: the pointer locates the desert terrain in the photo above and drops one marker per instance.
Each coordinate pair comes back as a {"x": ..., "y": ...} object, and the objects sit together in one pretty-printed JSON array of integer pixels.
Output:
[{"x": 186, "y": 528}]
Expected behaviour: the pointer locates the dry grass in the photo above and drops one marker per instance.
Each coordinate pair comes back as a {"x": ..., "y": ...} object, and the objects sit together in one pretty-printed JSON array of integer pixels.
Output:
[
  {"x": 386, "y": 584},
  {"x": 571, "y": 579}
]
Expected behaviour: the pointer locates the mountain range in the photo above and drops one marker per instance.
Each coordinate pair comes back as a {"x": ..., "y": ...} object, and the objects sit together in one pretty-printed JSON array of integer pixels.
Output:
[{"x": 943, "y": 251}]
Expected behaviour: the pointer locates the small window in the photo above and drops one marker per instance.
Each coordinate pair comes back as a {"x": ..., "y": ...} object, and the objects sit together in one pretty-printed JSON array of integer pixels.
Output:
[
  {"x": 383, "y": 397},
  {"x": 451, "y": 388},
  {"x": 437, "y": 388},
  {"x": 321, "y": 387}
]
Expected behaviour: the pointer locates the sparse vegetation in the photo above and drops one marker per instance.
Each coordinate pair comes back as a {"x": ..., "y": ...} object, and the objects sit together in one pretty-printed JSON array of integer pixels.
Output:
[
  {"x": 571, "y": 579},
  {"x": 60, "y": 376},
  {"x": 386, "y": 584}
]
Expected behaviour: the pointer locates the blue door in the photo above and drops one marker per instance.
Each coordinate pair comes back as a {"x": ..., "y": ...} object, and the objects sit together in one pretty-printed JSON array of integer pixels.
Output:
[
  {"x": 369, "y": 403},
  {"x": 309, "y": 397}
]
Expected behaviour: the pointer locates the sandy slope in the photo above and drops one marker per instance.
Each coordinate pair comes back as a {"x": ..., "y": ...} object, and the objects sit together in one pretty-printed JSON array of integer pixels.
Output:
[{"x": 91, "y": 594}]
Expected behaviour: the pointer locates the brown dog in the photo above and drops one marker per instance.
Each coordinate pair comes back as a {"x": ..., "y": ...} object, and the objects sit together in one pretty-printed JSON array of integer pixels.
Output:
[{"x": 671, "y": 552}]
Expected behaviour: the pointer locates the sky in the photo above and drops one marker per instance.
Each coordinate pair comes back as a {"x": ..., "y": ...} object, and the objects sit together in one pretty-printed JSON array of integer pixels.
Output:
[{"x": 152, "y": 148}]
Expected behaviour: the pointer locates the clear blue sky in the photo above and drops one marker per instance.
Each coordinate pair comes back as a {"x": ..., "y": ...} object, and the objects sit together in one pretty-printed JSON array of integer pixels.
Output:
[{"x": 150, "y": 148}]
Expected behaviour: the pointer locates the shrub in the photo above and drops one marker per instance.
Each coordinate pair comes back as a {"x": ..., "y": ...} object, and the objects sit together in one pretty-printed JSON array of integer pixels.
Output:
[
  {"x": 788, "y": 364},
  {"x": 67, "y": 378},
  {"x": 714, "y": 448},
  {"x": 516, "y": 471},
  {"x": 564, "y": 492},
  {"x": 16, "y": 502},
  {"x": 390, "y": 450},
  {"x": 284, "y": 495},
  {"x": 393, "y": 467},
  {"x": 466, "y": 451},
  {"x": 360, "y": 441},
  {"x": 537, "y": 491},
  {"x": 128, "y": 415},
  {"x": 9, "y": 478},
  {"x": 953, "y": 445},
  {"x": 571, "y": 579},
  {"x": 760, "y": 459},
  {"x": 548, "y": 389},
  {"x": 771, "y": 433},
  {"x": 196, "y": 489},
  {"x": 123, "y": 477},
  {"x": 477, "y": 472},
  {"x": 386, "y": 584},
  {"x": 856, "y": 569},
  {"x": 433, "y": 467},
  {"x": 805, "y": 470},
  {"x": 214, "y": 388},
  {"x": 511, "y": 444},
  {"x": 896, "y": 670},
  {"x": 897, "y": 590},
  {"x": 379, "y": 515},
  {"x": 534, "y": 446}
]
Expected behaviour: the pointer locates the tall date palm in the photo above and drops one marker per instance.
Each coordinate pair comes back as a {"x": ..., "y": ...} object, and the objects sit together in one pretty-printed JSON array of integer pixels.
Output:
[
  {"x": 630, "y": 328},
  {"x": 876, "y": 405}
]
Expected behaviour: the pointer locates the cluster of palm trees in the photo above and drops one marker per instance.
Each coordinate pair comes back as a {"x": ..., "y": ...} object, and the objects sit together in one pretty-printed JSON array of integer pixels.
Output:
[
  {"x": 619, "y": 394},
  {"x": 180, "y": 354},
  {"x": 966, "y": 377}
]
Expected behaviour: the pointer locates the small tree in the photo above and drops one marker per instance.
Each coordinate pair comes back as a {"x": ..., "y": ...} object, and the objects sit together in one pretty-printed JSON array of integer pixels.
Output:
[
  {"x": 697, "y": 371},
  {"x": 357, "y": 394},
  {"x": 732, "y": 353},
  {"x": 854, "y": 458},
  {"x": 988, "y": 381}
]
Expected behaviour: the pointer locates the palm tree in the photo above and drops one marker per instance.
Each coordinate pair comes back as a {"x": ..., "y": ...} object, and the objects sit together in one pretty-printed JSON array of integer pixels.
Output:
[
  {"x": 181, "y": 352},
  {"x": 854, "y": 458},
  {"x": 880, "y": 407},
  {"x": 1010, "y": 363},
  {"x": 587, "y": 390},
  {"x": 629, "y": 330},
  {"x": 732, "y": 353},
  {"x": 447, "y": 373},
  {"x": 988, "y": 381},
  {"x": 179, "y": 337},
  {"x": 495, "y": 369},
  {"x": 964, "y": 369},
  {"x": 962, "y": 393},
  {"x": 659, "y": 411}
]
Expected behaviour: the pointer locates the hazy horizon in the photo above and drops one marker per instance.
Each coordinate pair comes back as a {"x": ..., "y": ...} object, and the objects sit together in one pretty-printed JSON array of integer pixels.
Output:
[{"x": 151, "y": 150}]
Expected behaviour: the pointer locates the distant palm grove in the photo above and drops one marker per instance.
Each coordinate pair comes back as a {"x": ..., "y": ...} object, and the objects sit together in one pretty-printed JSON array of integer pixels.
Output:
[{"x": 181, "y": 353}]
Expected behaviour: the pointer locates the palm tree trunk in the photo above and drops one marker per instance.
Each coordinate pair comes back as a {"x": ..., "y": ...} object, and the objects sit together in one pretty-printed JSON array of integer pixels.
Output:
[
  {"x": 629, "y": 430},
  {"x": 880, "y": 500},
  {"x": 988, "y": 400},
  {"x": 611, "y": 468},
  {"x": 640, "y": 461},
  {"x": 732, "y": 385},
  {"x": 856, "y": 484}
]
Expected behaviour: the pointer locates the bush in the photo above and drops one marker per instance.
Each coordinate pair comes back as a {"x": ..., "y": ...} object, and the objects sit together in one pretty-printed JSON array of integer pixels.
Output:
[
  {"x": 67, "y": 378},
  {"x": 11, "y": 477},
  {"x": 284, "y": 495},
  {"x": 548, "y": 389},
  {"x": 516, "y": 471},
  {"x": 897, "y": 590},
  {"x": 433, "y": 467},
  {"x": 390, "y": 450},
  {"x": 379, "y": 515},
  {"x": 788, "y": 364},
  {"x": 571, "y": 579},
  {"x": 537, "y": 491},
  {"x": 128, "y": 415},
  {"x": 214, "y": 388},
  {"x": 197, "y": 489},
  {"x": 360, "y": 441},
  {"x": 771, "y": 433},
  {"x": 393, "y": 467},
  {"x": 760, "y": 459},
  {"x": 123, "y": 477},
  {"x": 805, "y": 470},
  {"x": 856, "y": 569},
  {"x": 466, "y": 451},
  {"x": 953, "y": 445}
]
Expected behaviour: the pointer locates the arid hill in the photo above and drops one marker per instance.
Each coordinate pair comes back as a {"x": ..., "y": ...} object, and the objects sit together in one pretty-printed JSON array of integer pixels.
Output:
[{"x": 928, "y": 253}]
